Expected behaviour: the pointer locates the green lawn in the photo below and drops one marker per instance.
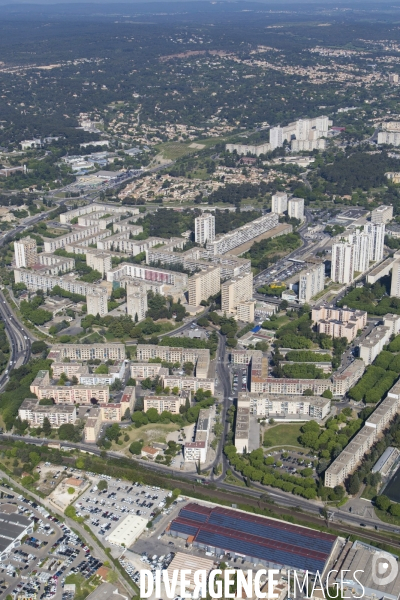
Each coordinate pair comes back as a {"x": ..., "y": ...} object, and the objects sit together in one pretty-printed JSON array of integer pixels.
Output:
[
  {"x": 369, "y": 492},
  {"x": 283, "y": 435}
]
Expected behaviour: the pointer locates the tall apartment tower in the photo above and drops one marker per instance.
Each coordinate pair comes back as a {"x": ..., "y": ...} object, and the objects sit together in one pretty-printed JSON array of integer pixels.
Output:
[
  {"x": 376, "y": 232},
  {"x": 311, "y": 283},
  {"x": 236, "y": 290},
  {"x": 204, "y": 228},
  {"x": 136, "y": 301},
  {"x": 204, "y": 284},
  {"x": 362, "y": 256},
  {"x": 296, "y": 208},
  {"x": 276, "y": 137},
  {"x": 303, "y": 127},
  {"x": 25, "y": 252},
  {"x": 382, "y": 214},
  {"x": 395, "y": 285},
  {"x": 342, "y": 270},
  {"x": 97, "y": 302},
  {"x": 279, "y": 203}
]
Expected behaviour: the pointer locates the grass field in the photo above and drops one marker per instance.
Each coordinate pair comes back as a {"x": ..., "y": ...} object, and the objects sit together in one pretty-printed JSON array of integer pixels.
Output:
[
  {"x": 282, "y": 435},
  {"x": 175, "y": 150},
  {"x": 153, "y": 432}
]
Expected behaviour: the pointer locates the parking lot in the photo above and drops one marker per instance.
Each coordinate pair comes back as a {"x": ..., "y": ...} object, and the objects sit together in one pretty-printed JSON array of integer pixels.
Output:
[
  {"x": 107, "y": 508},
  {"x": 41, "y": 564}
]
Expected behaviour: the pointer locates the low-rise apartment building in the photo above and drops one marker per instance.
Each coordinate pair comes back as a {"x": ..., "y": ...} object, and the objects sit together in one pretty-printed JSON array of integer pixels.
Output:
[
  {"x": 374, "y": 343},
  {"x": 171, "y": 404},
  {"x": 266, "y": 406},
  {"x": 104, "y": 352},
  {"x": 99, "y": 208},
  {"x": 58, "y": 414},
  {"x": 40, "y": 281},
  {"x": 339, "y": 322},
  {"x": 245, "y": 311},
  {"x": 196, "y": 451},
  {"x": 352, "y": 455},
  {"x": 74, "y": 394},
  {"x": 147, "y": 273},
  {"x": 199, "y": 357},
  {"x": 76, "y": 235},
  {"x": 188, "y": 384},
  {"x": 144, "y": 370},
  {"x": 56, "y": 263}
]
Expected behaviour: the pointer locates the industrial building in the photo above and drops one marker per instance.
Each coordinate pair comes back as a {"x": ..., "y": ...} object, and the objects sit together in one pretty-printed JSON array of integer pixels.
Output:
[
  {"x": 128, "y": 531},
  {"x": 259, "y": 540},
  {"x": 14, "y": 527}
]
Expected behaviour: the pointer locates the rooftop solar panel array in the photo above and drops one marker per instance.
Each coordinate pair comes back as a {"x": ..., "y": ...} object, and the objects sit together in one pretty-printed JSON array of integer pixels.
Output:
[{"x": 257, "y": 537}]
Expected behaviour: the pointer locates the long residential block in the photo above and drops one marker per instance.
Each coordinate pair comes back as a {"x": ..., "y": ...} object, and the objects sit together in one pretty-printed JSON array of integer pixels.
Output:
[
  {"x": 68, "y": 216},
  {"x": 31, "y": 411},
  {"x": 199, "y": 357},
  {"x": 171, "y": 404},
  {"x": 38, "y": 281},
  {"x": 223, "y": 243},
  {"x": 104, "y": 352}
]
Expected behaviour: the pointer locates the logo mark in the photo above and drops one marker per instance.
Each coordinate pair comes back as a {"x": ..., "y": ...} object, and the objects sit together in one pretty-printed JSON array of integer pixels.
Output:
[{"x": 384, "y": 568}]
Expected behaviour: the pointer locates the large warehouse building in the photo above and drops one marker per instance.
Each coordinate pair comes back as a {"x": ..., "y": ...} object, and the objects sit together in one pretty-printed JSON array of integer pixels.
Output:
[
  {"x": 13, "y": 528},
  {"x": 272, "y": 543}
]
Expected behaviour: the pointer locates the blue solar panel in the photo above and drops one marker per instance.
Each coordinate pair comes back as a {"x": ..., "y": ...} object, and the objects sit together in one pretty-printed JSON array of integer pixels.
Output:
[
  {"x": 270, "y": 532},
  {"x": 193, "y": 516},
  {"x": 254, "y": 550},
  {"x": 183, "y": 528}
]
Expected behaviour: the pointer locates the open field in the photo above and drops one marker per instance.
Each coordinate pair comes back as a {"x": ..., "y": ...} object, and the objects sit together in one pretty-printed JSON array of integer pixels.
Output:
[
  {"x": 283, "y": 434},
  {"x": 175, "y": 150},
  {"x": 153, "y": 432}
]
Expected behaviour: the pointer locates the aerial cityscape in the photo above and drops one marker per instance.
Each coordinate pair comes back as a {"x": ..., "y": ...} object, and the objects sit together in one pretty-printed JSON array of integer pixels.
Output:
[{"x": 199, "y": 300}]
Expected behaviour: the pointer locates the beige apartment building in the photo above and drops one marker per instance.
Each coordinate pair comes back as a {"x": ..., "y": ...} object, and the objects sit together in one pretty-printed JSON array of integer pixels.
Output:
[
  {"x": 97, "y": 302},
  {"x": 196, "y": 451},
  {"x": 245, "y": 311},
  {"x": 242, "y": 429},
  {"x": 238, "y": 289},
  {"x": 92, "y": 426},
  {"x": 136, "y": 300},
  {"x": 41, "y": 379},
  {"x": 199, "y": 357},
  {"x": 69, "y": 368},
  {"x": 110, "y": 351},
  {"x": 266, "y": 405},
  {"x": 171, "y": 404},
  {"x": 144, "y": 370},
  {"x": 355, "y": 451},
  {"x": 75, "y": 394},
  {"x": 339, "y": 322},
  {"x": 204, "y": 284},
  {"x": 25, "y": 252},
  {"x": 187, "y": 384},
  {"x": 58, "y": 415},
  {"x": 395, "y": 283},
  {"x": 382, "y": 214},
  {"x": 100, "y": 261}
]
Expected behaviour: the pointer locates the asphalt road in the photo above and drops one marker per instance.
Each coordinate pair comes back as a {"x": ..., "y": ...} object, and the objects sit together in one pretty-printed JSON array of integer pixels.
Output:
[{"x": 20, "y": 340}]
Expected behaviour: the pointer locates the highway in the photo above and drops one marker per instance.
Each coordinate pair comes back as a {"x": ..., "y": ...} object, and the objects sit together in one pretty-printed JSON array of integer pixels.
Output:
[{"x": 20, "y": 340}]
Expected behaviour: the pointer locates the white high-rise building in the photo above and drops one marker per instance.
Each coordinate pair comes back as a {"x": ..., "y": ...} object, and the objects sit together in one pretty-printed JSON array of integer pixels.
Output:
[
  {"x": 276, "y": 137},
  {"x": 279, "y": 203},
  {"x": 342, "y": 270},
  {"x": 296, "y": 208},
  {"x": 204, "y": 228},
  {"x": 361, "y": 242},
  {"x": 376, "y": 232},
  {"x": 25, "y": 252},
  {"x": 302, "y": 129},
  {"x": 136, "y": 301},
  {"x": 311, "y": 282},
  {"x": 395, "y": 285}
]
